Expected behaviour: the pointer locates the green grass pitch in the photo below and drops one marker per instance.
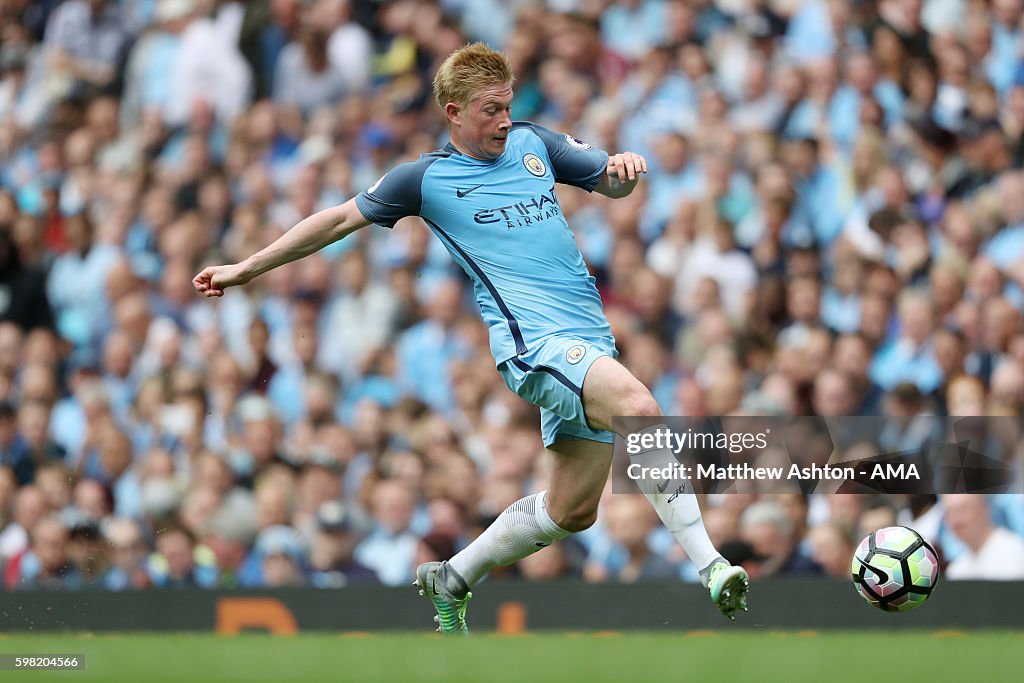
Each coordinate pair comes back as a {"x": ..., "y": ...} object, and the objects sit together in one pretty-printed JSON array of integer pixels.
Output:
[{"x": 762, "y": 656}]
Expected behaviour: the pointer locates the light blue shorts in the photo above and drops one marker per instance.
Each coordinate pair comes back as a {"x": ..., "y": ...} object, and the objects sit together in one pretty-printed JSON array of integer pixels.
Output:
[{"x": 550, "y": 376}]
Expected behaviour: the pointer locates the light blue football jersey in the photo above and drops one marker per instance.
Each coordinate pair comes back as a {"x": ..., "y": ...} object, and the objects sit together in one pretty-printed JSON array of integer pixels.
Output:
[{"x": 501, "y": 222}]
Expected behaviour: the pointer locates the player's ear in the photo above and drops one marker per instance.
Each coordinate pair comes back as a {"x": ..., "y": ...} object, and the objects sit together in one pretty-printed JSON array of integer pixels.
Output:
[{"x": 454, "y": 112}]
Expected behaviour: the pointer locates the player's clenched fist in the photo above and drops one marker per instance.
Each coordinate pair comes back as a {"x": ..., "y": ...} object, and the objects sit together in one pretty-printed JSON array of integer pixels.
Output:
[
  {"x": 215, "y": 279},
  {"x": 626, "y": 166}
]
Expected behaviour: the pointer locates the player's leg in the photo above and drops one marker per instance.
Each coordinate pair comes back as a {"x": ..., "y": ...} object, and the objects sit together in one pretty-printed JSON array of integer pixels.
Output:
[
  {"x": 568, "y": 505},
  {"x": 579, "y": 472},
  {"x": 551, "y": 377},
  {"x": 578, "y": 475},
  {"x": 609, "y": 391}
]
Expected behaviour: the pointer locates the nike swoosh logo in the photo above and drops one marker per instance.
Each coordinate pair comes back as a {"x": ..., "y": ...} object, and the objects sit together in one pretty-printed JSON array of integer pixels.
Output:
[
  {"x": 662, "y": 486},
  {"x": 543, "y": 545},
  {"x": 882, "y": 576},
  {"x": 462, "y": 193},
  {"x": 433, "y": 587}
]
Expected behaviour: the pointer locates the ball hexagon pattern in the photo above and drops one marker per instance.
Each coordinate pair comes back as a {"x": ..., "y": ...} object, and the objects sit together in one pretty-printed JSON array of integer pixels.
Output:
[{"x": 895, "y": 569}]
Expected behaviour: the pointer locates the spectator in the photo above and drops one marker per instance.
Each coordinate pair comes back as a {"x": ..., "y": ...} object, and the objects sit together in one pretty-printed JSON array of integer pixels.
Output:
[
  {"x": 75, "y": 284},
  {"x": 22, "y": 288},
  {"x": 742, "y": 553},
  {"x": 765, "y": 526},
  {"x": 874, "y": 518},
  {"x": 176, "y": 562},
  {"x": 54, "y": 481},
  {"x": 152, "y": 61},
  {"x": 127, "y": 557},
  {"x": 14, "y": 452},
  {"x": 331, "y": 558},
  {"x": 8, "y": 488},
  {"x": 46, "y": 563},
  {"x": 350, "y": 46},
  {"x": 992, "y": 553},
  {"x": 28, "y": 507},
  {"x": 715, "y": 256},
  {"x": 359, "y": 320},
  {"x": 426, "y": 351},
  {"x": 287, "y": 387},
  {"x": 833, "y": 395},
  {"x": 265, "y": 31},
  {"x": 209, "y": 68},
  {"x": 85, "y": 42},
  {"x": 832, "y": 550},
  {"x": 910, "y": 357},
  {"x": 306, "y": 77},
  {"x": 87, "y": 553},
  {"x": 550, "y": 564},
  {"x": 280, "y": 555},
  {"x": 434, "y": 546},
  {"x": 228, "y": 533},
  {"x": 630, "y": 522},
  {"x": 390, "y": 548},
  {"x": 93, "y": 502}
]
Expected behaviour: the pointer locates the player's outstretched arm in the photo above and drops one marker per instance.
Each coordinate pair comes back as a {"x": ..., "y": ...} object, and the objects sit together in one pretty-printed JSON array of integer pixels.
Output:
[
  {"x": 308, "y": 236},
  {"x": 621, "y": 174}
]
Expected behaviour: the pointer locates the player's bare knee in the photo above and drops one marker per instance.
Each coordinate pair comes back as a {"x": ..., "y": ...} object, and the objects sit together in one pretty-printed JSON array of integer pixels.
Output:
[{"x": 640, "y": 403}]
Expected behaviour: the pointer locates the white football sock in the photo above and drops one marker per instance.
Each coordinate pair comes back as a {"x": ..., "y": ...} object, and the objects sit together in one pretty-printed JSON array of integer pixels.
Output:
[
  {"x": 522, "y": 529},
  {"x": 674, "y": 501}
]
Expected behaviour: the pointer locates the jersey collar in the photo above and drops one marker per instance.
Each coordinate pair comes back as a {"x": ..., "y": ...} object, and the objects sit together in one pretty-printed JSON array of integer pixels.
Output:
[{"x": 452, "y": 149}]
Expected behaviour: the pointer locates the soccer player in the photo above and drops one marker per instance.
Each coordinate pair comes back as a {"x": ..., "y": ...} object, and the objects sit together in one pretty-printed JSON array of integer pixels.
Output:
[{"x": 489, "y": 196}]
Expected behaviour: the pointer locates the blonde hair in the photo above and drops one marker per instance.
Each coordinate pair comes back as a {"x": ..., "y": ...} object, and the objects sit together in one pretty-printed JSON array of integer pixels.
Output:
[{"x": 467, "y": 70}]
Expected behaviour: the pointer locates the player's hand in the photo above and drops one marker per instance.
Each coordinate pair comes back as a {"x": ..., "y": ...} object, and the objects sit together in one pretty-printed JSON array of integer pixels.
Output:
[
  {"x": 212, "y": 281},
  {"x": 626, "y": 166}
]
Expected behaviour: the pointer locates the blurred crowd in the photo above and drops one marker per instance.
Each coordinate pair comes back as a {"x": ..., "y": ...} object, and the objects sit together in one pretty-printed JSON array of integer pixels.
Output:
[{"x": 833, "y": 224}]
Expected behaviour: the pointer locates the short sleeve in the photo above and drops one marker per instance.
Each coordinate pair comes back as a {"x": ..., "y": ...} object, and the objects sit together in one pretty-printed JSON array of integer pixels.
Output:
[
  {"x": 574, "y": 162},
  {"x": 396, "y": 195},
  {"x": 60, "y": 27}
]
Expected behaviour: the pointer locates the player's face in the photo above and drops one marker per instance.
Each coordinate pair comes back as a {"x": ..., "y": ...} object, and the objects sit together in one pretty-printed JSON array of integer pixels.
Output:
[{"x": 483, "y": 125}]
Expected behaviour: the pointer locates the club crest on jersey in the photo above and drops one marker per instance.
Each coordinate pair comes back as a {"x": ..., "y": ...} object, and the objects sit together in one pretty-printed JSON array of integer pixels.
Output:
[
  {"x": 575, "y": 354},
  {"x": 576, "y": 142},
  {"x": 534, "y": 165}
]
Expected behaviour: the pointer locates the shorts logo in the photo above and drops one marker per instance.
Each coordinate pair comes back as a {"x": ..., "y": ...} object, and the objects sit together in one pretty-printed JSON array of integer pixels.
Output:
[
  {"x": 575, "y": 354},
  {"x": 534, "y": 165},
  {"x": 576, "y": 142}
]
